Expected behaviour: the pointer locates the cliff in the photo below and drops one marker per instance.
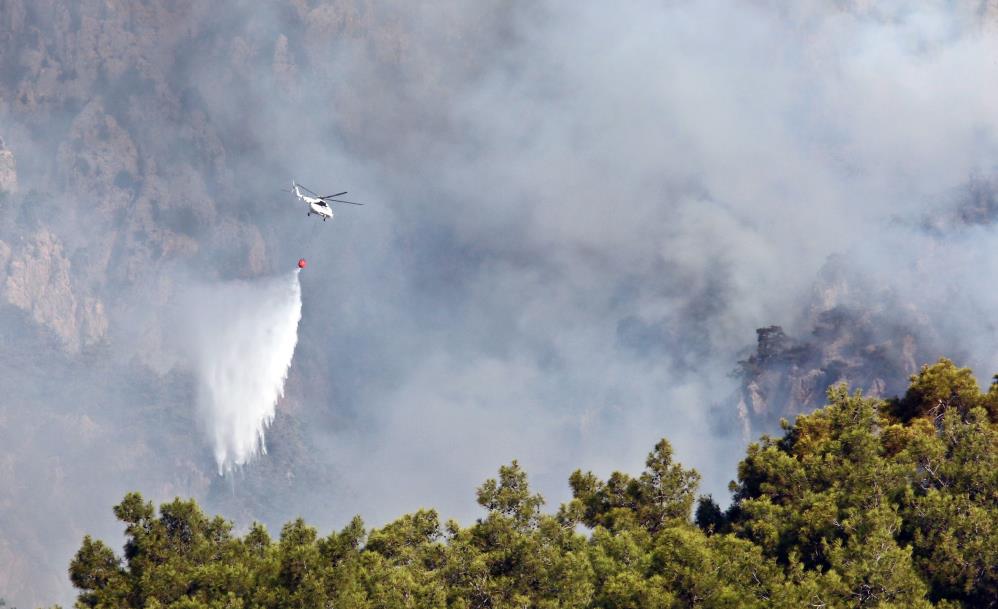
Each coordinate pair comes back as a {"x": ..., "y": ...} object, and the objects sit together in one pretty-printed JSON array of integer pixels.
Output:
[{"x": 851, "y": 332}]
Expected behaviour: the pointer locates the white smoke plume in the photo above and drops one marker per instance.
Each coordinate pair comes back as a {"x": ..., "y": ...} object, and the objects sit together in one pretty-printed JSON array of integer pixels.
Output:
[{"x": 243, "y": 340}]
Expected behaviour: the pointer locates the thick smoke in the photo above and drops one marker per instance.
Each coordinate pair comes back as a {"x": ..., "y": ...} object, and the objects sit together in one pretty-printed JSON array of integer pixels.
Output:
[{"x": 242, "y": 339}]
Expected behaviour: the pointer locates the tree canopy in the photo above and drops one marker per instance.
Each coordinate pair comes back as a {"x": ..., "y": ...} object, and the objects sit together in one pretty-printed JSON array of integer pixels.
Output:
[{"x": 864, "y": 503}]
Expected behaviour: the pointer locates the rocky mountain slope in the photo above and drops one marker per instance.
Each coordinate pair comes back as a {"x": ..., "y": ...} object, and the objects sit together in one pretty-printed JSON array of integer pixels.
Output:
[
  {"x": 140, "y": 145},
  {"x": 855, "y": 334},
  {"x": 853, "y": 331},
  {"x": 111, "y": 173}
]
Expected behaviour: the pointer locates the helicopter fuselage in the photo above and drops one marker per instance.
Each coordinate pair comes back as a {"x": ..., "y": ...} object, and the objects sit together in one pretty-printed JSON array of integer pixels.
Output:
[{"x": 318, "y": 207}]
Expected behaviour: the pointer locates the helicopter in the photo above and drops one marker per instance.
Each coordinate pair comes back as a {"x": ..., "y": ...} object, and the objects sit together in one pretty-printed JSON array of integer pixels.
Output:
[{"x": 318, "y": 204}]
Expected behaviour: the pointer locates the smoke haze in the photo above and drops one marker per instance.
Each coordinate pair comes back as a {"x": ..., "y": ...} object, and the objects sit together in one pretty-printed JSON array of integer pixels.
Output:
[{"x": 577, "y": 216}]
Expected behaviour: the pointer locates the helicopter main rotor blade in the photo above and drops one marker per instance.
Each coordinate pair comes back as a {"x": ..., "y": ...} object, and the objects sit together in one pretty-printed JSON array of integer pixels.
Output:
[
  {"x": 342, "y": 201},
  {"x": 312, "y": 192},
  {"x": 339, "y": 194}
]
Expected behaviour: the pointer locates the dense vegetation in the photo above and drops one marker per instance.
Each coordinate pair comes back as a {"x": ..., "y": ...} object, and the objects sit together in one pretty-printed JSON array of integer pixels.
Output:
[{"x": 865, "y": 503}]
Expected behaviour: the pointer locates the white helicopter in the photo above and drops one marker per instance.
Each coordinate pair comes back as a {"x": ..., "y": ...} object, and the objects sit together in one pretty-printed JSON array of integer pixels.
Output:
[{"x": 318, "y": 204}]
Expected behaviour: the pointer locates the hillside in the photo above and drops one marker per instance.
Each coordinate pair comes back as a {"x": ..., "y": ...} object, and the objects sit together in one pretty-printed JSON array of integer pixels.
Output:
[
  {"x": 863, "y": 503},
  {"x": 575, "y": 219}
]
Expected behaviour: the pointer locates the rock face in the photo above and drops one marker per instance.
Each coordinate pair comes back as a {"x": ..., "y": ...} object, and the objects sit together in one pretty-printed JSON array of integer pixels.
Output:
[
  {"x": 98, "y": 159},
  {"x": 37, "y": 281},
  {"x": 869, "y": 343},
  {"x": 787, "y": 376},
  {"x": 129, "y": 120},
  {"x": 8, "y": 170}
]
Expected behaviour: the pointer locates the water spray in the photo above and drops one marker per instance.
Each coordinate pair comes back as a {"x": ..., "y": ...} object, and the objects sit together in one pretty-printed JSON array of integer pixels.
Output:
[{"x": 244, "y": 338}]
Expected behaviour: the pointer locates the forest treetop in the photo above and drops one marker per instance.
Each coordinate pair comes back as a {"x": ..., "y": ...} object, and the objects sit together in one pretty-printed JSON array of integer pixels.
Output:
[{"x": 864, "y": 503}]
